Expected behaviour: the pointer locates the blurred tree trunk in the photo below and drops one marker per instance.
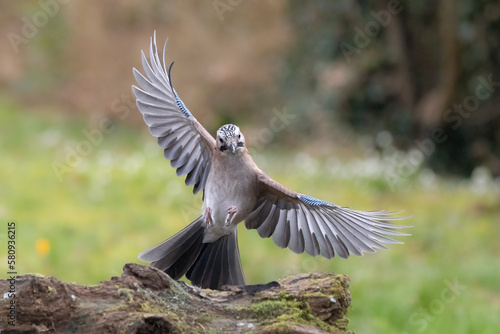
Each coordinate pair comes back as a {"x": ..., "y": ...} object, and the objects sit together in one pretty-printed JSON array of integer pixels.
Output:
[{"x": 430, "y": 107}]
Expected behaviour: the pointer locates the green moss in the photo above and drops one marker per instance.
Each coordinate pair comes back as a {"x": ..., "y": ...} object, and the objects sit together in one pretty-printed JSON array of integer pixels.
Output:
[
  {"x": 295, "y": 312},
  {"x": 50, "y": 291},
  {"x": 148, "y": 308},
  {"x": 131, "y": 326},
  {"x": 175, "y": 298},
  {"x": 270, "y": 309},
  {"x": 127, "y": 293},
  {"x": 117, "y": 306},
  {"x": 342, "y": 323},
  {"x": 206, "y": 317},
  {"x": 286, "y": 296},
  {"x": 279, "y": 314},
  {"x": 37, "y": 275},
  {"x": 306, "y": 296}
]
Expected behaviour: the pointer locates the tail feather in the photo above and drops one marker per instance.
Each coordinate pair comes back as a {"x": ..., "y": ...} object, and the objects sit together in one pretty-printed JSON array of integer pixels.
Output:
[
  {"x": 234, "y": 261},
  {"x": 208, "y": 265},
  {"x": 219, "y": 264},
  {"x": 175, "y": 242},
  {"x": 177, "y": 263},
  {"x": 205, "y": 270}
]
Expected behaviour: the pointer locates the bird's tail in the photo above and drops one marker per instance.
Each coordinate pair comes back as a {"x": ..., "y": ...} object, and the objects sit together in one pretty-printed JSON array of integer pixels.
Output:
[{"x": 207, "y": 265}]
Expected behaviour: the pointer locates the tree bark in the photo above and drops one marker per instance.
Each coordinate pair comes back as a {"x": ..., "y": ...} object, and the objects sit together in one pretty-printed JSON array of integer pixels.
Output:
[{"x": 146, "y": 300}]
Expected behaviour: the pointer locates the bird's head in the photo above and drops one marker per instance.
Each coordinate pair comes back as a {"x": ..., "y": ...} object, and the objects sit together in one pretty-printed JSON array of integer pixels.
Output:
[{"x": 230, "y": 138}]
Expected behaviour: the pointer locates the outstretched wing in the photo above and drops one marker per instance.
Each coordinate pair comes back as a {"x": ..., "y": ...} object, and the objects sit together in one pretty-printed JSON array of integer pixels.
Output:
[
  {"x": 187, "y": 145},
  {"x": 306, "y": 224}
]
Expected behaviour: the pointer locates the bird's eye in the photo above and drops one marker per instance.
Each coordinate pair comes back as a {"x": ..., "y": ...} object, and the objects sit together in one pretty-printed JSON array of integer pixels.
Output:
[
  {"x": 220, "y": 139},
  {"x": 239, "y": 136}
]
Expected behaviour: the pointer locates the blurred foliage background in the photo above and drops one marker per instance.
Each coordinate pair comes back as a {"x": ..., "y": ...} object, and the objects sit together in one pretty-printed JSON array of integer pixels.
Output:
[{"x": 368, "y": 104}]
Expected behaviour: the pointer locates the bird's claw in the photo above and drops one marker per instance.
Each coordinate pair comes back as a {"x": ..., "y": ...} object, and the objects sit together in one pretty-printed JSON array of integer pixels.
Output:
[
  {"x": 231, "y": 211},
  {"x": 209, "y": 219}
]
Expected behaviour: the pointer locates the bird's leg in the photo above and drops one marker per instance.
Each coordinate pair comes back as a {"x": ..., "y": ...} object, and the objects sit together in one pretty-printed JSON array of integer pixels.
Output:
[
  {"x": 209, "y": 220},
  {"x": 231, "y": 211}
]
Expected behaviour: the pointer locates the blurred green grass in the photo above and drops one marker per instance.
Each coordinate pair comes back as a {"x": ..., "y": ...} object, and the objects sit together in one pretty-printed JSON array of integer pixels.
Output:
[{"x": 123, "y": 197}]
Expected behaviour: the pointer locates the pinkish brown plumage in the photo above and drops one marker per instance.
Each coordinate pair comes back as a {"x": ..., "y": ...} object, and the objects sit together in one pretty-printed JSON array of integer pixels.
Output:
[{"x": 236, "y": 190}]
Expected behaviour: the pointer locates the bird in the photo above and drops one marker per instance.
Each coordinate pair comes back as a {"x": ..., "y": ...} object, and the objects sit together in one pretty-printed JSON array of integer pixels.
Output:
[{"x": 236, "y": 190}]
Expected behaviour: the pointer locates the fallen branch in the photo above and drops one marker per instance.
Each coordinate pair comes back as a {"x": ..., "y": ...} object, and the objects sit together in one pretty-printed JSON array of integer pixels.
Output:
[{"x": 145, "y": 300}]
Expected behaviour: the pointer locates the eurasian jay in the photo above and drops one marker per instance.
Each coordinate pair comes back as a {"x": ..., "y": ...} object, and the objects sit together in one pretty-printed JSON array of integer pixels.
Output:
[{"x": 236, "y": 190}]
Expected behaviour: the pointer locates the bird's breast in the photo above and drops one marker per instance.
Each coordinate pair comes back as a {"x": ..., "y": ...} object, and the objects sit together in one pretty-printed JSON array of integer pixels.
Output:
[{"x": 230, "y": 183}]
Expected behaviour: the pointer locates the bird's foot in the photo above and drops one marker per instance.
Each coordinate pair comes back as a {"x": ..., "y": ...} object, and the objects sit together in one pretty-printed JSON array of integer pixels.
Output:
[
  {"x": 231, "y": 211},
  {"x": 209, "y": 219}
]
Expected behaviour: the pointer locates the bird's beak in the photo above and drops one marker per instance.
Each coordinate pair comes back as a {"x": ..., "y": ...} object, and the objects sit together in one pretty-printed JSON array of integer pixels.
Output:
[{"x": 232, "y": 148}]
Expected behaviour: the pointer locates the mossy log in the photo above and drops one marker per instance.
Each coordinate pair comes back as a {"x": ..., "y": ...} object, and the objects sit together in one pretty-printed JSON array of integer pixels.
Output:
[{"x": 145, "y": 300}]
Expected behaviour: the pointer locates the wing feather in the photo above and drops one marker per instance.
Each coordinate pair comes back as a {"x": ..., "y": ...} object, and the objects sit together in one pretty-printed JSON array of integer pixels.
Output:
[
  {"x": 188, "y": 166},
  {"x": 187, "y": 150},
  {"x": 281, "y": 235},
  {"x": 204, "y": 177},
  {"x": 329, "y": 236},
  {"x": 338, "y": 233},
  {"x": 365, "y": 236},
  {"x": 352, "y": 242},
  {"x": 194, "y": 174},
  {"x": 249, "y": 221},
  {"x": 365, "y": 222},
  {"x": 317, "y": 233},
  {"x": 307, "y": 234},
  {"x": 185, "y": 142},
  {"x": 266, "y": 229},
  {"x": 307, "y": 224},
  {"x": 296, "y": 243},
  {"x": 148, "y": 87}
]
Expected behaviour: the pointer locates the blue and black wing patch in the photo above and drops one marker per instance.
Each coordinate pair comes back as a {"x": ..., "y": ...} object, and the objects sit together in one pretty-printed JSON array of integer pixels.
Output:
[
  {"x": 314, "y": 201},
  {"x": 178, "y": 100}
]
